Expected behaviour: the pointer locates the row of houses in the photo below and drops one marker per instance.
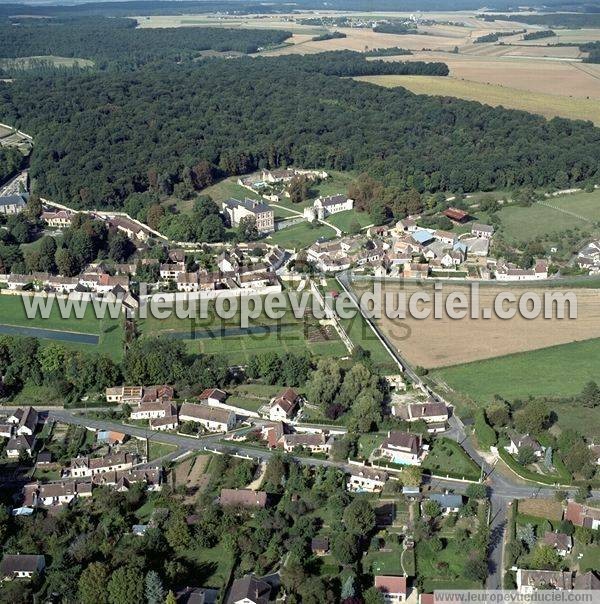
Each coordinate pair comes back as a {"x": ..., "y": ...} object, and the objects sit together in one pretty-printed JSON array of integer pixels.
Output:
[
  {"x": 134, "y": 230},
  {"x": 99, "y": 283},
  {"x": 157, "y": 405},
  {"x": 20, "y": 428},
  {"x": 66, "y": 491}
]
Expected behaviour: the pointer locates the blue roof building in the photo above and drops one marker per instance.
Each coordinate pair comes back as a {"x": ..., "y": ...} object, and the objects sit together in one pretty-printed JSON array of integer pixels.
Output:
[{"x": 422, "y": 237}]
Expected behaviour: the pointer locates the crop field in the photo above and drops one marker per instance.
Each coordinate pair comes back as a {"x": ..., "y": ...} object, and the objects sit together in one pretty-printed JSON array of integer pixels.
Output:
[
  {"x": 568, "y": 78},
  {"x": 107, "y": 332},
  {"x": 434, "y": 343},
  {"x": 548, "y": 105}
]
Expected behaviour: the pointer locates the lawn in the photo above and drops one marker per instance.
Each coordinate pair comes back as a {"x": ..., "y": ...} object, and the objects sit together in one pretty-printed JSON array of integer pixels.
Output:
[
  {"x": 582, "y": 203},
  {"x": 301, "y": 235},
  {"x": 527, "y": 223},
  {"x": 159, "y": 449},
  {"x": 346, "y": 220},
  {"x": 591, "y": 557},
  {"x": 212, "y": 566},
  {"x": 453, "y": 556},
  {"x": 367, "y": 443},
  {"x": 535, "y": 373},
  {"x": 110, "y": 332},
  {"x": 548, "y": 105},
  {"x": 384, "y": 562},
  {"x": 447, "y": 457},
  {"x": 32, "y": 62}
]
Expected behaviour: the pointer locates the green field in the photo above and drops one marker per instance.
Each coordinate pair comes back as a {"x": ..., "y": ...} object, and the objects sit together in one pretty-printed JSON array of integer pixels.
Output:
[
  {"x": 346, "y": 220},
  {"x": 558, "y": 371},
  {"x": 454, "y": 555},
  {"x": 575, "y": 211},
  {"x": 301, "y": 235},
  {"x": 110, "y": 331},
  {"x": 555, "y": 371},
  {"x": 217, "y": 336},
  {"x": 548, "y": 105},
  {"x": 385, "y": 562}
]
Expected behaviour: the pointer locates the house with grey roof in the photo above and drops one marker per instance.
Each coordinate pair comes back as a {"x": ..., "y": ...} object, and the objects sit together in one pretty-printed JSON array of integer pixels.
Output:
[
  {"x": 249, "y": 590},
  {"x": 236, "y": 210},
  {"x": 21, "y": 566},
  {"x": 12, "y": 204}
]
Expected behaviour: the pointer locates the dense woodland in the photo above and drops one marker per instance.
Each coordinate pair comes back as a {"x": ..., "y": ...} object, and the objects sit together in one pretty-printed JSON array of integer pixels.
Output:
[
  {"x": 101, "y": 137},
  {"x": 11, "y": 160},
  {"x": 568, "y": 20},
  {"x": 109, "y": 41}
]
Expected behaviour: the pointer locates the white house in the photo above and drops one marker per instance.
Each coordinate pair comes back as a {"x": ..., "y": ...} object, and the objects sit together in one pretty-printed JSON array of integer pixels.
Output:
[
  {"x": 170, "y": 422},
  {"x": 212, "y": 419},
  {"x": 152, "y": 410},
  {"x": 90, "y": 466},
  {"x": 529, "y": 581},
  {"x": 170, "y": 272},
  {"x": 435, "y": 414},
  {"x": 53, "y": 494},
  {"x": 315, "y": 443},
  {"x": 518, "y": 442},
  {"x": 366, "y": 480},
  {"x": 284, "y": 405},
  {"x": 404, "y": 448},
  {"x": 561, "y": 542},
  {"x": 483, "y": 231},
  {"x": 332, "y": 204},
  {"x": 12, "y": 204},
  {"x": 20, "y": 443}
]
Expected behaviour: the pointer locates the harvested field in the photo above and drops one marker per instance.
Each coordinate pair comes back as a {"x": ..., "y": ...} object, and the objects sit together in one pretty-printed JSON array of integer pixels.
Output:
[
  {"x": 548, "y": 105},
  {"x": 547, "y": 76},
  {"x": 442, "y": 342},
  {"x": 541, "y": 508}
]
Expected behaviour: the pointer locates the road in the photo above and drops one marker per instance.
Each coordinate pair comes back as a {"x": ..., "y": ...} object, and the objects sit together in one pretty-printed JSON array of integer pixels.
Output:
[{"x": 502, "y": 488}]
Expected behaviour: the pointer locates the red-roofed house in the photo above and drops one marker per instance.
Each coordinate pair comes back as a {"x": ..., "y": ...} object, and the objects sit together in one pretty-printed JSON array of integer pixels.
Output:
[
  {"x": 456, "y": 214},
  {"x": 392, "y": 588},
  {"x": 582, "y": 515}
]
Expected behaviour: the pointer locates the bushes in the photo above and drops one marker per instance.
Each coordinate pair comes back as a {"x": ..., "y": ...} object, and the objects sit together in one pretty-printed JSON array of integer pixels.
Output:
[{"x": 485, "y": 434}]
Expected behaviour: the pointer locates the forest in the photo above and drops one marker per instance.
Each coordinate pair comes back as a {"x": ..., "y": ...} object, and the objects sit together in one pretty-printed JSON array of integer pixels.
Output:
[
  {"x": 11, "y": 160},
  {"x": 108, "y": 41},
  {"x": 100, "y": 137},
  {"x": 569, "y": 20}
]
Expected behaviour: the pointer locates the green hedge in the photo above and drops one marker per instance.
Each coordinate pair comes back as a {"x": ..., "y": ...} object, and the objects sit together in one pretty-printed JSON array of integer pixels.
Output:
[
  {"x": 512, "y": 463},
  {"x": 485, "y": 434}
]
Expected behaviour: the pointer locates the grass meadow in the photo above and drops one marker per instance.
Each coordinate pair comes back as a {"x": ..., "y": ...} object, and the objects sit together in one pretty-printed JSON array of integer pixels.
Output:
[{"x": 110, "y": 331}]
